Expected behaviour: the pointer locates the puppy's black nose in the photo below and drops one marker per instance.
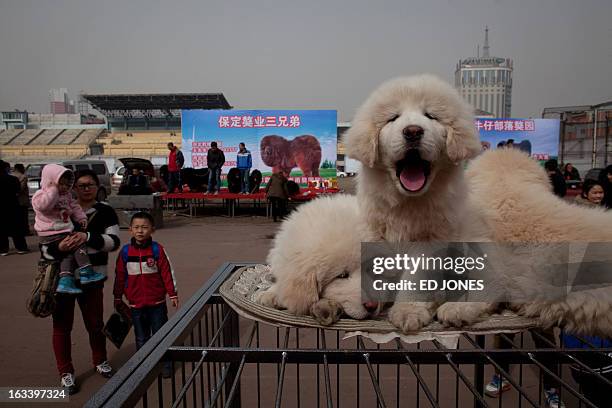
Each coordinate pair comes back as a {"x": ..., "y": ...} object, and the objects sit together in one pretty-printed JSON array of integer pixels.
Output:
[
  {"x": 370, "y": 306},
  {"x": 413, "y": 133}
]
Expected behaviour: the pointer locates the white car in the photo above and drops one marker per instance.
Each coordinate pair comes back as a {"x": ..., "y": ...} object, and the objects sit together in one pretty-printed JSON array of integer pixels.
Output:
[
  {"x": 117, "y": 178},
  {"x": 340, "y": 173}
]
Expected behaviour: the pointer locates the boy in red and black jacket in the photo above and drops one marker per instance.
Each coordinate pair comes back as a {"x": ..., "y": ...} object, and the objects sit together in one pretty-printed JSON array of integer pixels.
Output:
[{"x": 144, "y": 275}]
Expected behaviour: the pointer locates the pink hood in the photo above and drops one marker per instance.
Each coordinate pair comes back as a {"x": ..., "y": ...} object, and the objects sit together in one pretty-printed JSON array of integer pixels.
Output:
[
  {"x": 51, "y": 174},
  {"x": 54, "y": 211}
]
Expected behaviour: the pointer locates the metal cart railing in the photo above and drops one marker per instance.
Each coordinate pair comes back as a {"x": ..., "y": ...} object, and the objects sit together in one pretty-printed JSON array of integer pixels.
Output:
[{"x": 220, "y": 359}]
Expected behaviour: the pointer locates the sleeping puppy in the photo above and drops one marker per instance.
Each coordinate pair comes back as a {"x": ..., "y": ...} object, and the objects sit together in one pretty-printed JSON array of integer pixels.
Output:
[
  {"x": 520, "y": 207},
  {"x": 315, "y": 260},
  {"x": 412, "y": 135}
]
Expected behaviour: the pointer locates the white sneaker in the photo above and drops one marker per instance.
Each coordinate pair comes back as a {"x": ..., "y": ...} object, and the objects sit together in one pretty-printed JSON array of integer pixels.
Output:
[
  {"x": 105, "y": 369},
  {"x": 552, "y": 399},
  {"x": 497, "y": 386},
  {"x": 68, "y": 383}
]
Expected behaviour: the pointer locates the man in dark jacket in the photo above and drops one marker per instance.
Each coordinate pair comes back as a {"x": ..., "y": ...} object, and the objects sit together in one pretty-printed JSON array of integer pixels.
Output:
[
  {"x": 176, "y": 160},
  {"x": 214, "y": 160},
  {"x": 556, "y": 178},
  {"x": 9, "y": 212}
]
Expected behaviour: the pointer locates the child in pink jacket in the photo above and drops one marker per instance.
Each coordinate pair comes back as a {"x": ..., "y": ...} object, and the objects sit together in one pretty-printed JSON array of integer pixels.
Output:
[{"x": 55, "y": 209}]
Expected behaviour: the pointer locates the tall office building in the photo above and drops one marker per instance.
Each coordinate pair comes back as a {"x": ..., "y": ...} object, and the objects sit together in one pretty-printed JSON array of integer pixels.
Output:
[
  {"x": 60, "y": 102},
  {"x": 486, "y": 82}
]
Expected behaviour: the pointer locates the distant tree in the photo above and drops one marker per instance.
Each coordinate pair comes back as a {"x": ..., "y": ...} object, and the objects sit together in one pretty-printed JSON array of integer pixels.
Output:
[{"x": 328, "y": 164}]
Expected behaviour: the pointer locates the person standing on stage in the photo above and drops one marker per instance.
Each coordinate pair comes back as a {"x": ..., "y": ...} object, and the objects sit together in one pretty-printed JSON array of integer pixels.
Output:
[{"x": 176, "y": 160}]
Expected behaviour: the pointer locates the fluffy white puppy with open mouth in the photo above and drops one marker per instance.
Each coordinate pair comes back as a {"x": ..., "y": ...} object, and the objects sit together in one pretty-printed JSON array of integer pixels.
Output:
[
  {"x": 315, "y": 260},
  {"x": 412, "y": 135}
]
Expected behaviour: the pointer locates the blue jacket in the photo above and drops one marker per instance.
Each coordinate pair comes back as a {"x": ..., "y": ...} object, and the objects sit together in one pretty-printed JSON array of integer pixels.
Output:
[
  {"x": 570, "y": 341},
  {"x": 244, "y": 160}
]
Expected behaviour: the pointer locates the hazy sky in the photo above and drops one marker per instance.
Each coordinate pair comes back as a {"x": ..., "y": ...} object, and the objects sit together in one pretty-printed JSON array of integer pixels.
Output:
[{"x": 298, "y": 54}]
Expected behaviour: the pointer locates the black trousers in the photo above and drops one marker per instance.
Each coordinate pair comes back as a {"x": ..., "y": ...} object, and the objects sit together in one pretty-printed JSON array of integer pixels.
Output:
[
  {"x": 279, "y": 207},
  {"x": 25, "y": 220},
  {"x": 18, "y": 240},
  {"x": 592, "y": 388}
]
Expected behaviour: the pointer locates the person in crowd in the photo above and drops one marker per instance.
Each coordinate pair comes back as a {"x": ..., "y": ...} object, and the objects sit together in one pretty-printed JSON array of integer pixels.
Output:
[
  {"x": 144, "y": 275},
  {"x": 592, "y": 194},
  {"x": 215, "y": 159},
  {"x": 570, "y": 172},
  {"x": 137, "y": 182},
  {"x": 277, "y": 194},
  {"x": 605, "y": 179},
  {"x": 509, "y": 143},
  {"x": 101, "y": 237},
  {"x": 10, "y": 213},
  {"x": 55, "y": 210},
  {"x": 244, "y": 164},
  {"x": 556, "y": 178},
  {"x": 499, "y": 384},
  {"x": 501, "y": 144},
  {"x": 163, "y": 174},
  {"x": 23, "y": 197},
  {"x": 176, "y": 160}
]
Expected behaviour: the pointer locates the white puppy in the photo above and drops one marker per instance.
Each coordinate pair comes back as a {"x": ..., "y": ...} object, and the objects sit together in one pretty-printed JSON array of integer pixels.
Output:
[
  {"x": 315, "y": 260},
  {"x": 520, "y": 207},
  {"x": 412, "y": 135}
]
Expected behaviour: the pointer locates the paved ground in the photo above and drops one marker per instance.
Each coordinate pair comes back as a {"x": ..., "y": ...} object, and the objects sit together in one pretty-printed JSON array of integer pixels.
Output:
[{"x": 197, "y": 247}]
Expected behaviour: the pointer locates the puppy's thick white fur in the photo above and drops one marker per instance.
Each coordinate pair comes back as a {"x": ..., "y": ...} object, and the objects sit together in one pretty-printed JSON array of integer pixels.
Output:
[
  {"x": 315, "y": 259},
  {"x": 441, "y": 210},
  {"x": 517, "y": 198}
]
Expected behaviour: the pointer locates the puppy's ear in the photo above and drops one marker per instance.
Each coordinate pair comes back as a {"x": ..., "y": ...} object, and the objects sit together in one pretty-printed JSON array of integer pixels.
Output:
[
  {"x": 361, "y": 142},
  {"x": 462, "y": 141},
  {"x": 299, "y": 292}
]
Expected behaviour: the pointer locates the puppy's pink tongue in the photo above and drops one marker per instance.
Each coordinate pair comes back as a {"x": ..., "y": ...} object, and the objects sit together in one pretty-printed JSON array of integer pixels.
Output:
[{"x": 413, "y": 178}]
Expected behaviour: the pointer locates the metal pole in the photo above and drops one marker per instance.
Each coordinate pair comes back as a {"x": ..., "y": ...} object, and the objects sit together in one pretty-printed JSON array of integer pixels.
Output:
[
  {"x": 594, "y": 157},
  {"x": 563, "y": 118},
  {"x": 606, "y": 140}
]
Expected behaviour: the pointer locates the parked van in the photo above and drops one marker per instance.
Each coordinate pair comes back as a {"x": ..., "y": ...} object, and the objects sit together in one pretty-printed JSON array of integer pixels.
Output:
[{"x": 34, "y": 171}]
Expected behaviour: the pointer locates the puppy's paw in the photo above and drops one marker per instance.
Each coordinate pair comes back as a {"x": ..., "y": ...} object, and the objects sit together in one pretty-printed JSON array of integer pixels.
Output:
[
  {"x": 326, "y": 311},
  {"x": 461, "y": 314},
  {"x": 266, "y": 298},
  {"x": 409, "y": 317}
]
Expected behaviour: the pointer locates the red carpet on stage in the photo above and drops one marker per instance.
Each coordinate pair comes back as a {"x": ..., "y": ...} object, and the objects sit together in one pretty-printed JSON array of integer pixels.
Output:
[{"x": 303, "y": 195}]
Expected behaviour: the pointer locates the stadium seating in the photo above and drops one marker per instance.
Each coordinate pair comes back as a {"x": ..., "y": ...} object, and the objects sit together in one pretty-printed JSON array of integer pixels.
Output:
[
  {"x": 67, "y": 137},
  {"x": 8, "y": 135},
  {"x": 46, "y": 137},
  {"x": 44, "y": 145},
  {"x": 88, "y": 136},
  {"x": 26, "y": 137},
  {"x": 144, "y": 144}
]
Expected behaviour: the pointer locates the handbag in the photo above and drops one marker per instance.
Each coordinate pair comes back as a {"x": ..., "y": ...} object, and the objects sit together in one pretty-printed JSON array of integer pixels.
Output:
[
  {"x": 117, "y": 328},
  {"x": 42, "y": 300}
]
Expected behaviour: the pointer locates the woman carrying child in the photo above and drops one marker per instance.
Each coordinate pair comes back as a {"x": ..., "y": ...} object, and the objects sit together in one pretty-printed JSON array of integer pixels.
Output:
[{"x": 101, "y": 237}]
